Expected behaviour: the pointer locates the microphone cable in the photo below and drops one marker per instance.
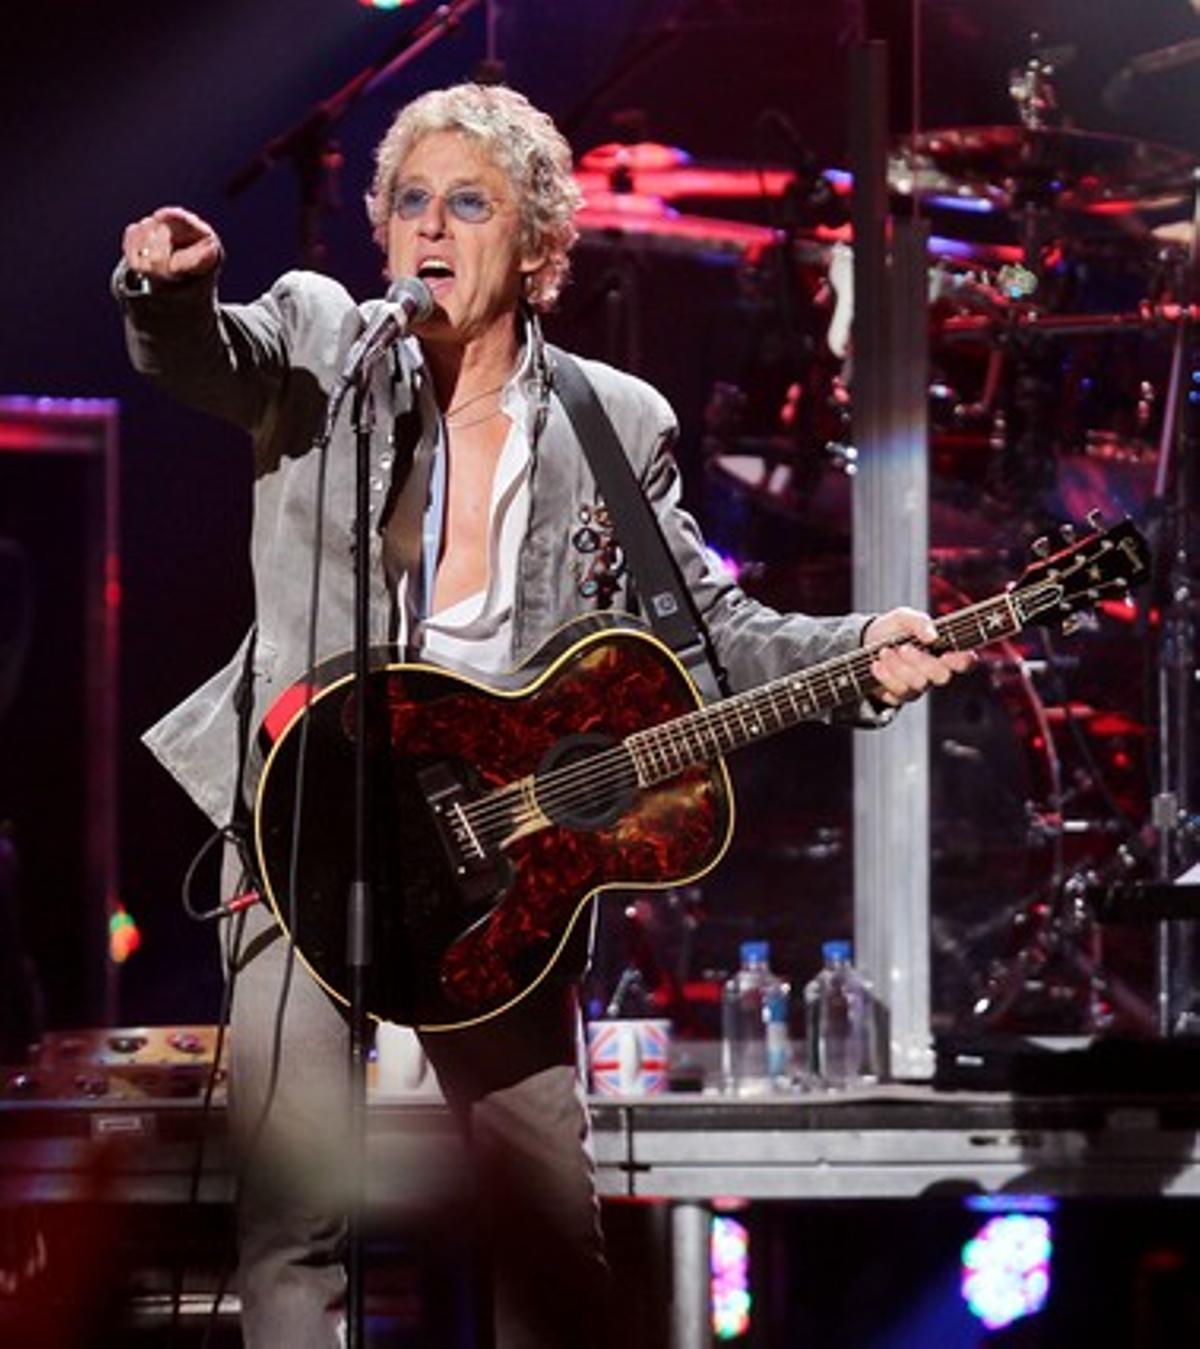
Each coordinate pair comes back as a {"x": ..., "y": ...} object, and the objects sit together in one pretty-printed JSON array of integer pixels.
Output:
[{"x": 247, "y": 1156}]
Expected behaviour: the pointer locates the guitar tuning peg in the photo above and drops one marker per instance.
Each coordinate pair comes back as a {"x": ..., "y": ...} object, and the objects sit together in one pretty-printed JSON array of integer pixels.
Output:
[
  {"x": 1067, "y": 532},
  {"x": 1095, "y": 518},
  {"x": 1040, "y": 547},
  {"x": 1071, "y": 625}
]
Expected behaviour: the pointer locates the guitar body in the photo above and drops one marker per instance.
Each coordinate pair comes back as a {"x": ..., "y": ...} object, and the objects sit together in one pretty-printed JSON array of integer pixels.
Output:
[{"x": 460, "y": 934}]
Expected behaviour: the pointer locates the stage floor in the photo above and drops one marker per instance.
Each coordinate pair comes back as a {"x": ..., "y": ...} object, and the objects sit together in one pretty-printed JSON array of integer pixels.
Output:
[{"x": 884, "y": 1142}]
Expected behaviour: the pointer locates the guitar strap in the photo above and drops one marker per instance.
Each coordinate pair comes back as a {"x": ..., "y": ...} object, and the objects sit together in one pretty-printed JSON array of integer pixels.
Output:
[{"x": 669, "y": 605}]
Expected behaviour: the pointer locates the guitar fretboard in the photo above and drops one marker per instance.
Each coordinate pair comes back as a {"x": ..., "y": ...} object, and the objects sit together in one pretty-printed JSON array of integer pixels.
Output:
[
  {"x": 662, "y": 752},
  {"x": 1057, "y": 587}
]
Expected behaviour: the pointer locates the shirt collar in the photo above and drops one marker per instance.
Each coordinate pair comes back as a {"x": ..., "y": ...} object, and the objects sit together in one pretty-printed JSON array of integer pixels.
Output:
[{"x": 528, "y": 375}]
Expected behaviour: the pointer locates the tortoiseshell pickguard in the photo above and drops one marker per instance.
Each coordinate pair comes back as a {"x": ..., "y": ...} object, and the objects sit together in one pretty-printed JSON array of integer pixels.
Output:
[{"x": 439, "y": 960}]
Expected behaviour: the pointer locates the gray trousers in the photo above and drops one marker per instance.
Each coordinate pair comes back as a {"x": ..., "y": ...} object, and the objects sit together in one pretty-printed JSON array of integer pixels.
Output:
[{"x": 515, "y": 1087}]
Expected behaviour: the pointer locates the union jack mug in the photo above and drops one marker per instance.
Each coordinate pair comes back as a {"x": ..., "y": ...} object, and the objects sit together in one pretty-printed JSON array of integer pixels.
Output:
[{"x": 628, "y": 1057}]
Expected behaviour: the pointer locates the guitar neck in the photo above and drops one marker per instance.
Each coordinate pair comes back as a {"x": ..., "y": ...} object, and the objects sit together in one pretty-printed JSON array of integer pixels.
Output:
[{"x": 663, "y": 751}]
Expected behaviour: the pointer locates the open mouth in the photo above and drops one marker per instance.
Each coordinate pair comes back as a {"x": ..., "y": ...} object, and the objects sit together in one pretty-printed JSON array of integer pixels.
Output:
[{"x": 436, "y": 273}]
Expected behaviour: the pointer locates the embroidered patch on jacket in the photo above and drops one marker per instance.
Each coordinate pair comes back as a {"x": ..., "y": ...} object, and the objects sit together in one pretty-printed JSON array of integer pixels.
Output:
[{"x": 599, "y": 561}]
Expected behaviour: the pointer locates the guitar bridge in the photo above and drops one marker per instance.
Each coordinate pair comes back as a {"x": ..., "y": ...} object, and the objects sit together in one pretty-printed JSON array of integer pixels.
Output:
[{"x": 478, "y": 872}]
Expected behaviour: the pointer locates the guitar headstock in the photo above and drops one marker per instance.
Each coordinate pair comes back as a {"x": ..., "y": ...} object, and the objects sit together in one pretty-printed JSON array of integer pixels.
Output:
[{"x": 1105, "y": 564}]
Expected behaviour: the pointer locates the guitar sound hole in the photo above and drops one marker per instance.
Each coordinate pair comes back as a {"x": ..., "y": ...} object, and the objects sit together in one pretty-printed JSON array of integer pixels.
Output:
[{"x": 581, "y": 795}]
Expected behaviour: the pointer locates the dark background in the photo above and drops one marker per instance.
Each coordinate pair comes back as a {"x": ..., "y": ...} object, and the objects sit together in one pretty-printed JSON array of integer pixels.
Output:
[{"x": 109, "y": 111}]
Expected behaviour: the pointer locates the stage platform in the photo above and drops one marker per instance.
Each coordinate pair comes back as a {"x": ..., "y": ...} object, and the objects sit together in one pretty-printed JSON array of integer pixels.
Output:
[
  {"x": 688, "y": 1151},
  {"x": 889, "y": 1141}
]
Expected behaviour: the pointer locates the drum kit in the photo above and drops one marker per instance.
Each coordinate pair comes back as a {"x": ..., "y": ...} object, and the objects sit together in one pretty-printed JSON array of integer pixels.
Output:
[{"x": 1060, "y": 292}]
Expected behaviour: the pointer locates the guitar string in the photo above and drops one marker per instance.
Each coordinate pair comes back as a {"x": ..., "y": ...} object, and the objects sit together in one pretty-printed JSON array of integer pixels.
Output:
[
  {"x": 565, "y": 787},
  {"x": 558, "y": 788},
  {"x": 673, "y": 739},
  {"x": 962, "y": 630},
  {"x": 495, "y": 818},
  {"x": 679, "y": 743},
  {"x": 700, "y": 727}
]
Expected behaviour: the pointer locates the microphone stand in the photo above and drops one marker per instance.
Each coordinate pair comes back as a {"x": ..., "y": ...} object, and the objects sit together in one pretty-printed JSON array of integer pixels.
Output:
[
  {"x": 356, "y": 376},
  {"x": 309, "y": 142},
  {"x": 359, "y": 898}
]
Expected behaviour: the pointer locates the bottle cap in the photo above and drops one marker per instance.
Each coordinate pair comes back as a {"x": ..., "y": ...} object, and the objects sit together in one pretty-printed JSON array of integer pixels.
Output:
[
  {"x": 755, "y": 952},
  {"x": 836, "y": 950}
]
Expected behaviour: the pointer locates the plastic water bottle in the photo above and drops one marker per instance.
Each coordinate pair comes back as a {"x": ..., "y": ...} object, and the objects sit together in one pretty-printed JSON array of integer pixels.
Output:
[
  {"x": 755, "y": 1049},
  {"x": 840, "y": 1009}
]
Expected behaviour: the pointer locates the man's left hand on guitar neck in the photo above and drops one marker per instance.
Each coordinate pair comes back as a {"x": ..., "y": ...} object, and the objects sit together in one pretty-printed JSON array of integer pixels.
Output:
[{"x": 905, "y": 671}]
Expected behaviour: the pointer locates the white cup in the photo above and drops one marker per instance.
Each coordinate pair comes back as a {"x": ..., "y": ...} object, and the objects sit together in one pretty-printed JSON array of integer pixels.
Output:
[{"x": 401, "y": 1066}]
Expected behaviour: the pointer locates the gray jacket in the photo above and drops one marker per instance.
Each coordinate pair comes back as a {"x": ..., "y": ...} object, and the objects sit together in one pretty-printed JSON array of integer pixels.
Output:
[{"x": 269, "y": 366}]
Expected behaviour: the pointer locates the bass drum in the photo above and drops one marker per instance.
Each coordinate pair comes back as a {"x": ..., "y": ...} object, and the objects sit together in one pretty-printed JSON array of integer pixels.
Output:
[{"x": 995, "y": 819}]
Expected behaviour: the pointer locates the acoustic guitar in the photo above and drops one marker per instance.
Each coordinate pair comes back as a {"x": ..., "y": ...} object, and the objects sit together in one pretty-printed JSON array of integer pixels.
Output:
[{"x": 500, "y": 809}]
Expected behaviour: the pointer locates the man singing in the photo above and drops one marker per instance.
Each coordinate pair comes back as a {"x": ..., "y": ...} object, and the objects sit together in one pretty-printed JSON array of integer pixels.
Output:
[{"x": 479, "y": 487}]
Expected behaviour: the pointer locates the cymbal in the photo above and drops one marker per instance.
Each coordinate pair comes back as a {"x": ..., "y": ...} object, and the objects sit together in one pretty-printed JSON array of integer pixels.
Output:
[
  {"x": 650, "y": 169},
  {"x": 1005, "y": 168},
  {"x": 636, "y": 157},
  {"x": 633, "y": 219},
  {"x": 1175, "y": 232}
]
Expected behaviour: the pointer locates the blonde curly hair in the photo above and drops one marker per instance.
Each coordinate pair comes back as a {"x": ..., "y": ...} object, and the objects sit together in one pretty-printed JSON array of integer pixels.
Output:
[{"x": 522, "y": 142}]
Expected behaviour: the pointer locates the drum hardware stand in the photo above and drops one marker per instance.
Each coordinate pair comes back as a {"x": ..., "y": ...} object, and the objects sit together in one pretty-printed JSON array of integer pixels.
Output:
[
  {"x": 809, "y": 199},
  {"x": 1070, "y": 938},
  {"x": 1171, "y": 816},
  {"x": 1027, "y": 456},
  {"x": 1007, "y": 981},
  {"x": 1067, "y": 933},
  {"x": 1031, "y": 86},
  {"x": 1032, "y": 89},
  {"x": 617, "y": 289},
  {"x": 960, "y": 327},
  {"x": 1025, "y": 467}
]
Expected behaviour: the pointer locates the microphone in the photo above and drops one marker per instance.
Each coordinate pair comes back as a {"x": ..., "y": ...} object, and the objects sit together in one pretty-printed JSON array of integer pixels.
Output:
[{"x": 408, "y": 301}]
